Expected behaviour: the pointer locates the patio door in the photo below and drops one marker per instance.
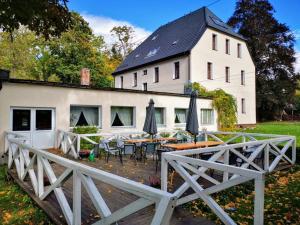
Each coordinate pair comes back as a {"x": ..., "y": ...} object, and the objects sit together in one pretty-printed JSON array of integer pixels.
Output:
[{"x": 37, "y": 124}]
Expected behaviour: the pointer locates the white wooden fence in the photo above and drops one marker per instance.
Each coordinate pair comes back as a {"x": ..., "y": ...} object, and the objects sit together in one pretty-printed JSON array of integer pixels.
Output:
[
  {"x": 35, "y": 163},
  {"x": 263, "y": 156}
]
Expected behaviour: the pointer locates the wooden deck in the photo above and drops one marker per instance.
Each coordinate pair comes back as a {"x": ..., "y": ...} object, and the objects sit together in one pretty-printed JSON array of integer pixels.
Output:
[{"x": 115, "y": 198}]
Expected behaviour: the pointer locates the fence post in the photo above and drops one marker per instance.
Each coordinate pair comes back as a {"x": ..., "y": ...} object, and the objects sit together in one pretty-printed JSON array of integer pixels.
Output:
[
  {"x": 164, "y": 173},
  {"x": 266, "y": 157},
  {"x": 76, "y": 198},
  {"x": 294, "y": 152},
  {"x": 40, "y": 176},
  {"x": 259, "y": 200},
  {"x": 78, "y": 144},
  {"x": 226, "y": 162}
]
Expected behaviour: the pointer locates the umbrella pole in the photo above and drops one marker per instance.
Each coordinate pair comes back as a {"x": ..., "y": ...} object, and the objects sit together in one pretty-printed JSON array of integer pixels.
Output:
[{"x": 195, "y": 139}]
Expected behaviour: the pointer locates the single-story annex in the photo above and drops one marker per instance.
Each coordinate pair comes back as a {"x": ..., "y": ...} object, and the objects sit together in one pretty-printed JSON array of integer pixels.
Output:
[{"x": 38, "y": 109}]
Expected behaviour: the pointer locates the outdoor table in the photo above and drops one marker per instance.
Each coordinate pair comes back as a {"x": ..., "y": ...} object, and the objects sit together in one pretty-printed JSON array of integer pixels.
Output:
[
  {"x": 185, "y": 146},
  {"x": 137, "y": 141},
  {"x": 165, "y": 139}
]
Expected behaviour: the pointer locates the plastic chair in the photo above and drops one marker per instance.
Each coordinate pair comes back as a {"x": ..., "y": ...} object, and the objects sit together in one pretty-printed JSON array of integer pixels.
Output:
[{"x": 111, "y": 151}]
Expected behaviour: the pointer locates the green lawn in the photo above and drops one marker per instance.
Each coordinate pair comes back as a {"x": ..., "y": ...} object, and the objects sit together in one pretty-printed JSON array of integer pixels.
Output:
[
  {"x": 287, "y": 128},
  {"x": 282, "y": 192},
  {"x": 16, "y": 207}
]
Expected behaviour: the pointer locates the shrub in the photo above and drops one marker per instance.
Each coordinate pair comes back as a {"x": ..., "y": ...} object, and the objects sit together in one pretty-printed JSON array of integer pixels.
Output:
[{"x": 84, "y": 144}]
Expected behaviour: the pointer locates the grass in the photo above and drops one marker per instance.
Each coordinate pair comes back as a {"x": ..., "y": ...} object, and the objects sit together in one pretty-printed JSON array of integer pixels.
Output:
[
  {"x": 282, "y": 190},
  {"x": 285, "y": 128},
  {"x": 282, "y": 200},
  {"x": 16, "y": 207}
]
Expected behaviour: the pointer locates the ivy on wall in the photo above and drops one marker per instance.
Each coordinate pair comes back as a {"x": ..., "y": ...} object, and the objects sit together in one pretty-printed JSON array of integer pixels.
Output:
[{"x": 223, "y": 103}]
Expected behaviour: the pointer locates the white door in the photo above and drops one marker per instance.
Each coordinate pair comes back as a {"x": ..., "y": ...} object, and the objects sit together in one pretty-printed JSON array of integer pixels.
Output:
[{"x": 37, "y": 124}]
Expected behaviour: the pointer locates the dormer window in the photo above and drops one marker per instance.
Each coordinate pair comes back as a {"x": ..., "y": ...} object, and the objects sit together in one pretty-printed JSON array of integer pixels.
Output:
[
  {"x": 154, "y": 37},
  {"x": 152, "y": 52},
  {"x": 214, "y": 42},
  {"x": 175, "y": 42}
]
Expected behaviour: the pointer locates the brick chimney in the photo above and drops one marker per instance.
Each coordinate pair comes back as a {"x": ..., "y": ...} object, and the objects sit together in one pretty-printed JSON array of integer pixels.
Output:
[{"x": 85, "y": 77}]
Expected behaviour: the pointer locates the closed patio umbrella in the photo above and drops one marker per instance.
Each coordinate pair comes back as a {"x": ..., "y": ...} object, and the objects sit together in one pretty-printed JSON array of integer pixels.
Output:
[
  {"x": 192, "y": 125},
  {"x": 150, "y": 121}
]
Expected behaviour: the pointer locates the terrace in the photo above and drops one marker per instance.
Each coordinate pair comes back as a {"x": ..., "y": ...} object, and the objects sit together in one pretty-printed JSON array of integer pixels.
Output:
[{"x": 112, "y": 192}]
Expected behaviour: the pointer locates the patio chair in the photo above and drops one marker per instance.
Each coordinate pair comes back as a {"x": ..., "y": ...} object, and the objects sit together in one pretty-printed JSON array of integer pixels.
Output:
[
  {"x": 126, "y": 149},
  {"x": 149, "y": 148},
  {"x": 111, "y": 151}
]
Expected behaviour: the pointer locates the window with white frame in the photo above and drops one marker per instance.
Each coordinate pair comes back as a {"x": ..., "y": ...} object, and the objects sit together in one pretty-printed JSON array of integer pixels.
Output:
[
  {"x": 160, "y": 116},
  {"x": 209, "y": 71},
  {"x": 156, "y": 74},
  {"x": 227, "y": 74},
  {"x": 134, "y": 82},
  {"x": 180, "y": 116},
  {"x": 227, "y": 46},
  {"x": 122, "y": 116},
  {"x": 243, "y": 106},
  {"x": 121, "y": 82},
  {"x": 242, "y": 77},
  {"x": 214, "y": 42},
  {"x": 176, "y": 70},
  {"x": 85, "y": 116},
  {"x": 207, "y": 116},
  {"x": 239, "y": 50}
]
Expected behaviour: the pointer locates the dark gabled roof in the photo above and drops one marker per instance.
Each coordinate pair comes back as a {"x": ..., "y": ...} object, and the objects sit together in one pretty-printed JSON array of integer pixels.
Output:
[{"x": 174, "y": 39}]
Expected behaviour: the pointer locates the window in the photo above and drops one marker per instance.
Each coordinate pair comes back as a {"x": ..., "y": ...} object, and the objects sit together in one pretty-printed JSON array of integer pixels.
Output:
[
  {"x": 209, "y": 71},
  {"x": 243, "y": 106},
  {"x": 43, "y": 120},
  {"x": 207, "y": 116},
  {"x": 227, "y": 46},
  {"x": 145, "y": 87},
  {"x": 156, "y": 75},
  {"x": 134, "y": 79},
  {"x": 176, "y": 70},
  {"x": 121, "y": 116},
  {"x": 85, "y": 116},
  {"x": 145, "y": 72},
  {"x": 160, "y": 116},
  {"x": 121, "y": 82},
  {"x": 242, "y": 77},
  {"x": 214, "y": 42},
  {"x": 227, "y": 74},
  {"x": 239, "y": 50},
  {"x": 21, "y": 120},
  {"x": 180, "y": 116}
]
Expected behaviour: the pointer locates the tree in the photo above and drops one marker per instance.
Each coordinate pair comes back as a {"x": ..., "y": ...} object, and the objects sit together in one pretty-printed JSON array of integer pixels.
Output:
[
  {"x": 46, "y": 17},
  {"x": 271, "y": 45},
  {"x": 19, "y": 56},
  {"x": 75, "y": 49},
  {"x": 124, "y": 42}
]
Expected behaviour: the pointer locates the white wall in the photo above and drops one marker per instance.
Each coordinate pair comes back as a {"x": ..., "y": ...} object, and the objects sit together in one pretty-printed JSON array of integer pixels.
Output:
[
  {"x": 59, "y": 98},
  {"x": 202, "y": 53},
  {"x": 166, "y": 74}
]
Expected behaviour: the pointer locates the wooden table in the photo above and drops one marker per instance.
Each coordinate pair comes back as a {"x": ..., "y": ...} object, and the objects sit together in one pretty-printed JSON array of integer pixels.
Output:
[
  {"x": 185, "y": 146},
  {"x": 136, "y": 141},
  {"x": 165, "y": 139}
]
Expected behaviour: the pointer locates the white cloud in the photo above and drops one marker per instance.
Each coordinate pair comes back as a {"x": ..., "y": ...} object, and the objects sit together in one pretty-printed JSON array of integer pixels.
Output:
[
  {"x": 297, "y": 63},
  {"x": 103, "y": 25},
  {"x": 297, "y": 34}
]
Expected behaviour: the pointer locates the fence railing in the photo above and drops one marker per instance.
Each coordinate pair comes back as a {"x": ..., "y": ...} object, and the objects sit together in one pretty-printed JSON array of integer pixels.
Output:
[
  {"x": 35, "y": 163},
  {"x": 234, "y": 163}
]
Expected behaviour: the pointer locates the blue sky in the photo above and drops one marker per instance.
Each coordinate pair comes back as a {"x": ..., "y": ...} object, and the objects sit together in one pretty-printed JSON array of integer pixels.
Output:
[{"x": 146, "y": 16}]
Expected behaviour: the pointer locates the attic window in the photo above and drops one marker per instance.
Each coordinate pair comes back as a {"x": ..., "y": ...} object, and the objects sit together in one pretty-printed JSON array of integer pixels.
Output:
[
  {"x": 154, "y": 37},
  {"x": 175, "y": 42},
  {"x": 137, "y": 55},
  {"x": 152, "y": 52},
  {"x": 219, "y": 22}
]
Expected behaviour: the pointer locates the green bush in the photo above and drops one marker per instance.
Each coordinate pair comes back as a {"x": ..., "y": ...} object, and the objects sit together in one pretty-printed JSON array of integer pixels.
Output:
[
  {"x": 223, "y": 102},
  {"x": 84, "y": 144}
]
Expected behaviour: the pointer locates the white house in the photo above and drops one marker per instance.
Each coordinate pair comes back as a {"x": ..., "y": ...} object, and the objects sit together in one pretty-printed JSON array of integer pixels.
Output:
[
  {"x": 198, "y": 47},
  {"x": 37, "y": 109}
]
